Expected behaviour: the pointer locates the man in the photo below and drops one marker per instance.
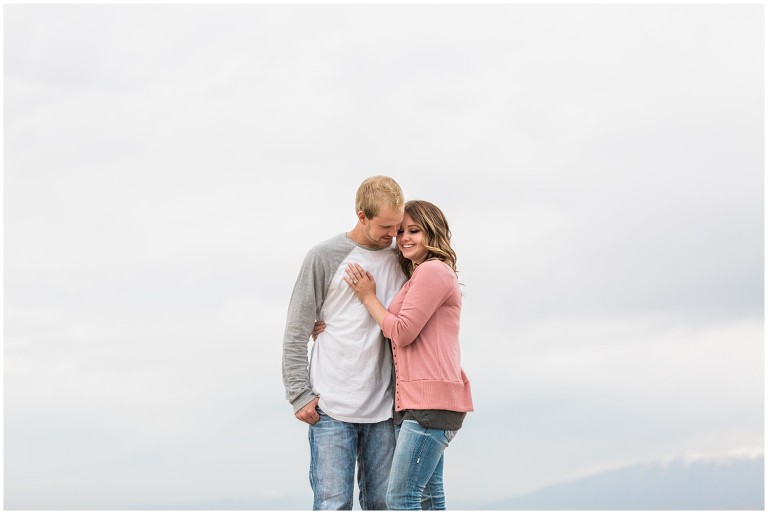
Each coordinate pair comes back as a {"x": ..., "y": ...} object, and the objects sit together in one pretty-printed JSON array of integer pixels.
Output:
[{"x": 344, "y": 389}]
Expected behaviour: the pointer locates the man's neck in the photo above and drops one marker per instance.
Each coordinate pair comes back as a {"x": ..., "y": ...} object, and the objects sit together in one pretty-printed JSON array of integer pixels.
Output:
[{"x": 357, "y": 235}]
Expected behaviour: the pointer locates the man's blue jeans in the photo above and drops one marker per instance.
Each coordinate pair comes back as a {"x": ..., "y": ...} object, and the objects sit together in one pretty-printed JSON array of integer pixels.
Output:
[
  {"x": 416, "y": 480},
  {"x": 335, "y": 446}
]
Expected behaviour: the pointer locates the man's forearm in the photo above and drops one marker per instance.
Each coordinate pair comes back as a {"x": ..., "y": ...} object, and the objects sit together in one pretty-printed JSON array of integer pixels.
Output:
[{"x": 296, "y": 374}]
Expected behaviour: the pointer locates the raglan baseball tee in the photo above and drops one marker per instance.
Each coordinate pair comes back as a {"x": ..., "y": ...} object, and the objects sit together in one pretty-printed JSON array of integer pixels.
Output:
[{"x": 349, "y": 366}]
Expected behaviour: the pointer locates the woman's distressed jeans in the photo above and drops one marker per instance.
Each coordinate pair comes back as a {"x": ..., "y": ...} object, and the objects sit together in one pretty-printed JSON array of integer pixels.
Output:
[{"x": 416, "y": 479}]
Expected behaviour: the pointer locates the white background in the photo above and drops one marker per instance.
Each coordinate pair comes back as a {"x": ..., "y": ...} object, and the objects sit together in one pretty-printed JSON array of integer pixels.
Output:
[{"x": 167, "y": 168}]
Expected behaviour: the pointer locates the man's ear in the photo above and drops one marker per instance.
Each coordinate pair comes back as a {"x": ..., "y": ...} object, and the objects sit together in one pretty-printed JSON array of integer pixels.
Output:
[{"x": 361, "y": 217}]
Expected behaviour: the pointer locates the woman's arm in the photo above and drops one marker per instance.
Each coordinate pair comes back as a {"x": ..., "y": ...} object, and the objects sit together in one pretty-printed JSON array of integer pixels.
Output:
[
  {"x": 430, "y": 285},
  {"x": 428, "y": 290},
  {"x": 364, "y": 287}
]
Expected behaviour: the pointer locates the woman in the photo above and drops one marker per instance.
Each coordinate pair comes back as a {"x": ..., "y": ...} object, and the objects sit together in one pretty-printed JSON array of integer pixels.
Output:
[{"x": 432, "y": 392}]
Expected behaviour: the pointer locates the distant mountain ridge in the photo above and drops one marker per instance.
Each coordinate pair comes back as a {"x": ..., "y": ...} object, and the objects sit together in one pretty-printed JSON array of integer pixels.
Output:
[{"x": 734, "y": 484}]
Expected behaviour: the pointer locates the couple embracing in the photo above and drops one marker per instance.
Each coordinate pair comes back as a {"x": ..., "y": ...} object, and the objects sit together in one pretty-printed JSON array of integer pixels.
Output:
[{"x": 382, "y": 386}]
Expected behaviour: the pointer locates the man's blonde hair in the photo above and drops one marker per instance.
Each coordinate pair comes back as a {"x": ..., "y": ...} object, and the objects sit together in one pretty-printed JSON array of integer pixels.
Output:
[{"x": 375, "y": 190}]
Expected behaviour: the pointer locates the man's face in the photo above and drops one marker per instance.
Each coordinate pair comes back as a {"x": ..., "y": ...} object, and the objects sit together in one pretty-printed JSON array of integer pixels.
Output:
[{"x": 382, "y": 228}]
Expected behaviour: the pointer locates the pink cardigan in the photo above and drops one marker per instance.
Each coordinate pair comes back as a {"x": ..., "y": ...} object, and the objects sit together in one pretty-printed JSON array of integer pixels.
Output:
[{"x": 423, "y": 324}]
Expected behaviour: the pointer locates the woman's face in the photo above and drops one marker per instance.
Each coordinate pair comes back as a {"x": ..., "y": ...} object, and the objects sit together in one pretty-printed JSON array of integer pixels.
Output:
[{"x": 409, "y": 239}]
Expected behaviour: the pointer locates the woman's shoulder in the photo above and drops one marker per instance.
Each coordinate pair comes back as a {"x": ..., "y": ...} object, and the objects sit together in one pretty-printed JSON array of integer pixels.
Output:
[{"x": 436, "y": 268}]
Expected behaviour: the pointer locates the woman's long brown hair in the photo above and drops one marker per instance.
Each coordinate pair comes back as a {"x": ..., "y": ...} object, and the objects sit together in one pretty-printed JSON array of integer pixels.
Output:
[{"x": 436, "y": 238}]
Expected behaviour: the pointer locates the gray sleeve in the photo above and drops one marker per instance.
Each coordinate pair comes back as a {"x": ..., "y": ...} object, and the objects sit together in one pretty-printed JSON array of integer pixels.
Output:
[{"x": 306, "y": 301}]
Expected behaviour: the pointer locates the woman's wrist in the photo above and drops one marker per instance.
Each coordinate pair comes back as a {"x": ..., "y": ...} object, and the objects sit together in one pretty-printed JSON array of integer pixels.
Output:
[{"x": 376, "y": 308}]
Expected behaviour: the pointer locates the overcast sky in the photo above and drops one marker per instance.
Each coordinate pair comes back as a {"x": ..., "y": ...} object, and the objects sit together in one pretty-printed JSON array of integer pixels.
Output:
[{"x": 167, "y": 168}]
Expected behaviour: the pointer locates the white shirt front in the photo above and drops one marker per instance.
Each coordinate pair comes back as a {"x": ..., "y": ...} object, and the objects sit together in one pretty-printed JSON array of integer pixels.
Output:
[{"x": 350, "y": 364}]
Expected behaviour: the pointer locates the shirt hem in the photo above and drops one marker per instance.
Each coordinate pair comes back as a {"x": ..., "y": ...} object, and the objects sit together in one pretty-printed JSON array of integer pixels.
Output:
[{"x": 347, "y": 419}]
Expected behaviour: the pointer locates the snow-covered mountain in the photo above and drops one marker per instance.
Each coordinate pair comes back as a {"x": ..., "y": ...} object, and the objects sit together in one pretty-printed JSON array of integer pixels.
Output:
[{"x": 735, "y": 483}]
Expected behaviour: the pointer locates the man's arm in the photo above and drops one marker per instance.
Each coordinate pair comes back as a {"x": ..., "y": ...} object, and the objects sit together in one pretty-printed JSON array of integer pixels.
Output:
[
  {"x": 308, "y": 413},
  {"x": 300, "y": 321}
]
